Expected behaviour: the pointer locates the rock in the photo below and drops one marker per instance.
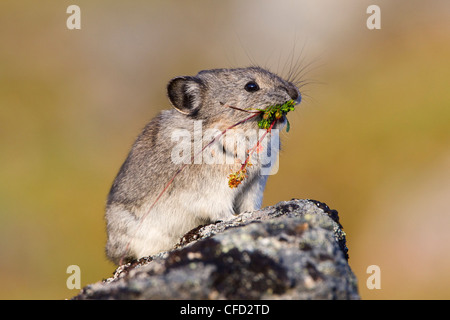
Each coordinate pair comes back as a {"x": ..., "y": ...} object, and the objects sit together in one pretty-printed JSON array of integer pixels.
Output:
[{"x": 293, "y": 250}]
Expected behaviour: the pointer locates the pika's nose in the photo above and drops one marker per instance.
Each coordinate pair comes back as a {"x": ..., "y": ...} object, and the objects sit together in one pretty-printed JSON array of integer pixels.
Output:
[{"x": 293, "y": 93}]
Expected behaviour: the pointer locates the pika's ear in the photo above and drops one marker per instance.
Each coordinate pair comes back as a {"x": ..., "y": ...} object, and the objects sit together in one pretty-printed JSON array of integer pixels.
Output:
[{"x": 185, "y": 94}]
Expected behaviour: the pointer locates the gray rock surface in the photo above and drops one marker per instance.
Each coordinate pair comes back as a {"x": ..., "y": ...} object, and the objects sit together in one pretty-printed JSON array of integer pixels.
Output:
[{"x": 293, "y": 250}]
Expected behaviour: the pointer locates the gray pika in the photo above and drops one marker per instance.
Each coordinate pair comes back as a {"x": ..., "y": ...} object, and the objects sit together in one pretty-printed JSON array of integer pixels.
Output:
[{"x": 137, "y": 224}]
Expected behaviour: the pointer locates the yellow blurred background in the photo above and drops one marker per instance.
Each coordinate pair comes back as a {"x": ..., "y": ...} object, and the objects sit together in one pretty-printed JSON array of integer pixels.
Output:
[{"x": 371, "y": 137}]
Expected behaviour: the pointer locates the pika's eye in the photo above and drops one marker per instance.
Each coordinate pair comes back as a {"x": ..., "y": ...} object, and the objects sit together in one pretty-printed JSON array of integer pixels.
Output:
[{"x": 251, "y": 86}]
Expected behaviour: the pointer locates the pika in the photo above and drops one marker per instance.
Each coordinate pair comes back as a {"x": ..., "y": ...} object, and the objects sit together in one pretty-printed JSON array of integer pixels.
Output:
[{"x": 144, "y": 214}]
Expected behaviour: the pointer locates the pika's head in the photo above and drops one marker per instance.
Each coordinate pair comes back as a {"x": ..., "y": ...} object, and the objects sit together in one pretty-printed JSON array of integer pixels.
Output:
[{"x": 210, "y": 94}]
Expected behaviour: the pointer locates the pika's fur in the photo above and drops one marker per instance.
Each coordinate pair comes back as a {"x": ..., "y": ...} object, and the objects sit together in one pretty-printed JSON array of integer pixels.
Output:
[{"x": 199, "y": 194}]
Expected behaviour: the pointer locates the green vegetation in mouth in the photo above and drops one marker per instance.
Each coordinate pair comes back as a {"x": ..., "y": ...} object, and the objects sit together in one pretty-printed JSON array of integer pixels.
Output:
[{"x": 272, "y": 113}]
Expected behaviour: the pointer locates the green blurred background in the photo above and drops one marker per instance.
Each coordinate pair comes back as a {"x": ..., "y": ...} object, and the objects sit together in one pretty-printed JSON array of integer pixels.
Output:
[{"x": 371, "y": 138}]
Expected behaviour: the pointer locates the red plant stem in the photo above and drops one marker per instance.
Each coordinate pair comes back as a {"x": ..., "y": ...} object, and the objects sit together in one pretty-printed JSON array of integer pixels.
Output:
[
  {"x": 257, "y": 145},
  {"x": 243, "y": 110}
]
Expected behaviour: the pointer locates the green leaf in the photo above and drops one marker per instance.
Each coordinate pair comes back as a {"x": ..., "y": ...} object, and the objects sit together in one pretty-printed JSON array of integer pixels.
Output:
[
  {"x": 273, "y": 113},
  {"x": 288, "y": 125}
]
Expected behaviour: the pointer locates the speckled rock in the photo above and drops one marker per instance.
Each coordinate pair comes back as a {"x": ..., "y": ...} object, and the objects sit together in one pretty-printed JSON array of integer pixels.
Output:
[{"x": 293, "y": 250}]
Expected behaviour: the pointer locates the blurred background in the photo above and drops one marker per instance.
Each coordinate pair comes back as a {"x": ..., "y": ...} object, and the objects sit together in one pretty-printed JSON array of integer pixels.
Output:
[{"x": 371, "y": 138}]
